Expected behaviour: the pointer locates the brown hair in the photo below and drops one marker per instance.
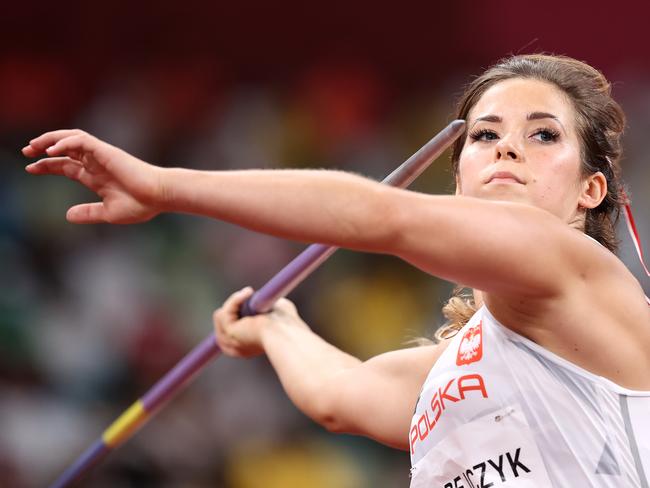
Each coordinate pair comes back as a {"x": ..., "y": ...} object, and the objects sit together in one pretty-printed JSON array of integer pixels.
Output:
[{"x": 600, "y": 122}]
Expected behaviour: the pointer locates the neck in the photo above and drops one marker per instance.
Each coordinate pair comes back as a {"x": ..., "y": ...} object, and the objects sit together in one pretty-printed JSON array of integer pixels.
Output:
[{"x": 577, "y": 221}]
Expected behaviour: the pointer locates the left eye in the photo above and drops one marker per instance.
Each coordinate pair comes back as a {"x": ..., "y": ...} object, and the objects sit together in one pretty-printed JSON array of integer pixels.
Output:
[{"x": 546, "y": 135}]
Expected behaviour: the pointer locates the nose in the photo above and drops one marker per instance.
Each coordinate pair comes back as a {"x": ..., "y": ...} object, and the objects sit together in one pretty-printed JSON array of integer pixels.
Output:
[{"x": 506, "y": 150}]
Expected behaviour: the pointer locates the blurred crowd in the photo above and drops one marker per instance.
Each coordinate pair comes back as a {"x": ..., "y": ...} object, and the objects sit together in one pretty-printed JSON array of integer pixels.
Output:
[{"x": 92, "y": 316}]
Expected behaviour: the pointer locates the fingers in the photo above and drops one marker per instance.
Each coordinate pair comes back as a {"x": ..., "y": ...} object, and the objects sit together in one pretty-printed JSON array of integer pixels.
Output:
[
  {"x": 83, "y": 143},
  {"x": 87, "y": 213},
  {"x": 225, "y": 338},
  {"x": 72, "y": 143},
  {"x": 64, "y": 166},
  {"x": 225, "y": 317},
  {"x": 38, "y": 145},
  {"x": 234, "y": 302}
]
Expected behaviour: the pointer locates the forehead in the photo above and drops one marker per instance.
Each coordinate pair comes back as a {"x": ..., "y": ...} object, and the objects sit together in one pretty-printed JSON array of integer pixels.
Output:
[{"x": 515, "y": 98}]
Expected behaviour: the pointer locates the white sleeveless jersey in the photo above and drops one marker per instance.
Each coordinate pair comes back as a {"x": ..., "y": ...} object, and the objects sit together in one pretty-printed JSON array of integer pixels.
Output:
[{"x": 498, "y": 410}]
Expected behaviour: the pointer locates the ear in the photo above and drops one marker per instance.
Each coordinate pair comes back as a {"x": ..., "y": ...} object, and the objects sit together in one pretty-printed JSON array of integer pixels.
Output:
[{"x": 594, "y": 189}]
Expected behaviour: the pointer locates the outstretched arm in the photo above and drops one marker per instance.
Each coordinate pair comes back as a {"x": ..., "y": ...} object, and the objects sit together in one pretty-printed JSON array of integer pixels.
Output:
[
  {"x": 374, "y": 398},
  {"x": 498, "y": 247},
  {"x": 284, "y": 202}
]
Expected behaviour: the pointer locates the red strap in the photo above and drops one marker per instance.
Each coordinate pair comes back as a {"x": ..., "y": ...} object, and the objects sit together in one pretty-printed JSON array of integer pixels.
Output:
[{"x": 634, "y": 233}]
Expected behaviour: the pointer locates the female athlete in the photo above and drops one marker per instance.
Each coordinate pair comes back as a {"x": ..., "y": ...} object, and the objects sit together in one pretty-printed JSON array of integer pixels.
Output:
[{"x": 543, "y": 376}]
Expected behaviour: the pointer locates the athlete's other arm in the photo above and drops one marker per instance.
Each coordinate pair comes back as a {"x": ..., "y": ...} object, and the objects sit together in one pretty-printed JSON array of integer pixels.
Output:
[{"x": 374, "y": 398}]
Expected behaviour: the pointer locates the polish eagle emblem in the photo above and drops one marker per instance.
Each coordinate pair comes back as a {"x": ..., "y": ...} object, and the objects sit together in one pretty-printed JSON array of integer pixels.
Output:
[{"x": 470, "y": 348}]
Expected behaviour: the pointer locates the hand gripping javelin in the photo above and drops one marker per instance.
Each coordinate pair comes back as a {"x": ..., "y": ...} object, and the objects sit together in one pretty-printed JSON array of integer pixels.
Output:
[{"x": 261, "y": 301}]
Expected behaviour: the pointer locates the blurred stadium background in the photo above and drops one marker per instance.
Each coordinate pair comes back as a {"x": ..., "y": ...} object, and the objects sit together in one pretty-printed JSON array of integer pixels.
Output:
[{"x": 91, "y": 316}]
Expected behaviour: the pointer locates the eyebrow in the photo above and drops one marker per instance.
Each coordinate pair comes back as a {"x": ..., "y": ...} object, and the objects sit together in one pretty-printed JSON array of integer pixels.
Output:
[
  {"x": 488, "y": 118},
  {"x": 530, "y": 116},
  {"x": 545, "y": 115},
  {"x": 541, "y": 115}
]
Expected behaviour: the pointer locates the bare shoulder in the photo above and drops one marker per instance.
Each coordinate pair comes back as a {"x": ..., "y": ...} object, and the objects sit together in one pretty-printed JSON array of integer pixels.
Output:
[
  {"x": 619, "y": 304},
  {"x": 601, "y": 321},
  {"x": 611, "y": 294}
]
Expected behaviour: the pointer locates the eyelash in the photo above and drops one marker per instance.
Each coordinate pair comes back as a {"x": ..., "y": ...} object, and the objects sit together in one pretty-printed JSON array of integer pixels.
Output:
[{"x": 478, "y": 135}]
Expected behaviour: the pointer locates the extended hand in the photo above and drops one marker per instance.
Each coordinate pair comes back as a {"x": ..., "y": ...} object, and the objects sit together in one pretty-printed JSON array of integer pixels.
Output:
[{"x": 131, "y": 190}]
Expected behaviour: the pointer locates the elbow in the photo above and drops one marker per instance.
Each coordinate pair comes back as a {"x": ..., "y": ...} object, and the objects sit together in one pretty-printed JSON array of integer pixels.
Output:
[
  {"x": 333, "y": 424},
  {"x": 324, "y": 412},
  {"x": 328, "y": 408}
]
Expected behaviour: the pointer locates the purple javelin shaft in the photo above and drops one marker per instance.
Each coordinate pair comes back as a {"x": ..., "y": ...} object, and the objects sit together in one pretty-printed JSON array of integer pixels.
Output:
[
  {"x": 161, "y": 393},
  {"x": 297, "y": 270},
  {"x": 262, "y": 301}
]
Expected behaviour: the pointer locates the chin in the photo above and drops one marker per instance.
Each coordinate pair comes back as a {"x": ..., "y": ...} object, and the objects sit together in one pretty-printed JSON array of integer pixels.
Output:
[{"x": 507, "y": 192}]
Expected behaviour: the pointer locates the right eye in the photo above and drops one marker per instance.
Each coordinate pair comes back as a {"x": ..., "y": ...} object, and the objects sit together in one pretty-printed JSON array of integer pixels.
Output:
[{"x": 484, "y": 135}]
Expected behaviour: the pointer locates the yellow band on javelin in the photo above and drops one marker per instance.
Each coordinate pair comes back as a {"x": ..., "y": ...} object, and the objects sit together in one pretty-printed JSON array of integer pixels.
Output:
[{"x": 125, "y": 425}]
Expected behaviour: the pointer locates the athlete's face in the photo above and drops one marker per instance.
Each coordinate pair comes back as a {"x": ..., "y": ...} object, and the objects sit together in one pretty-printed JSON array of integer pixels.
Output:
[{"x": 523, "y": 146}]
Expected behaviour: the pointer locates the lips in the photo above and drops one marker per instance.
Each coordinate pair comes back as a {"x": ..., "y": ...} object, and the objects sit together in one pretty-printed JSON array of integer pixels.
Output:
[{"x": 504, "y": 177}]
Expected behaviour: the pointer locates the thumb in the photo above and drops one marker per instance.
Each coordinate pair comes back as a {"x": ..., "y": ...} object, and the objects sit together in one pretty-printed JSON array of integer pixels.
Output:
[{"x": 87, "y": 213}]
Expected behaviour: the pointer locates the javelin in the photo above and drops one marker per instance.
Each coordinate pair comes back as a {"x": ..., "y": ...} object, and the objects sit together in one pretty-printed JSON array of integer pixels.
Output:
[{"x": 261, "y": 301}]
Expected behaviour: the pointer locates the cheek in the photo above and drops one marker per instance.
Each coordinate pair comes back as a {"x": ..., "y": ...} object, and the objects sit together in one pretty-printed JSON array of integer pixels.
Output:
[
  {"x": 557, "y": 177},
  {"x": 562, "y": 165},
  {"x": 469, "y": 167}
]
